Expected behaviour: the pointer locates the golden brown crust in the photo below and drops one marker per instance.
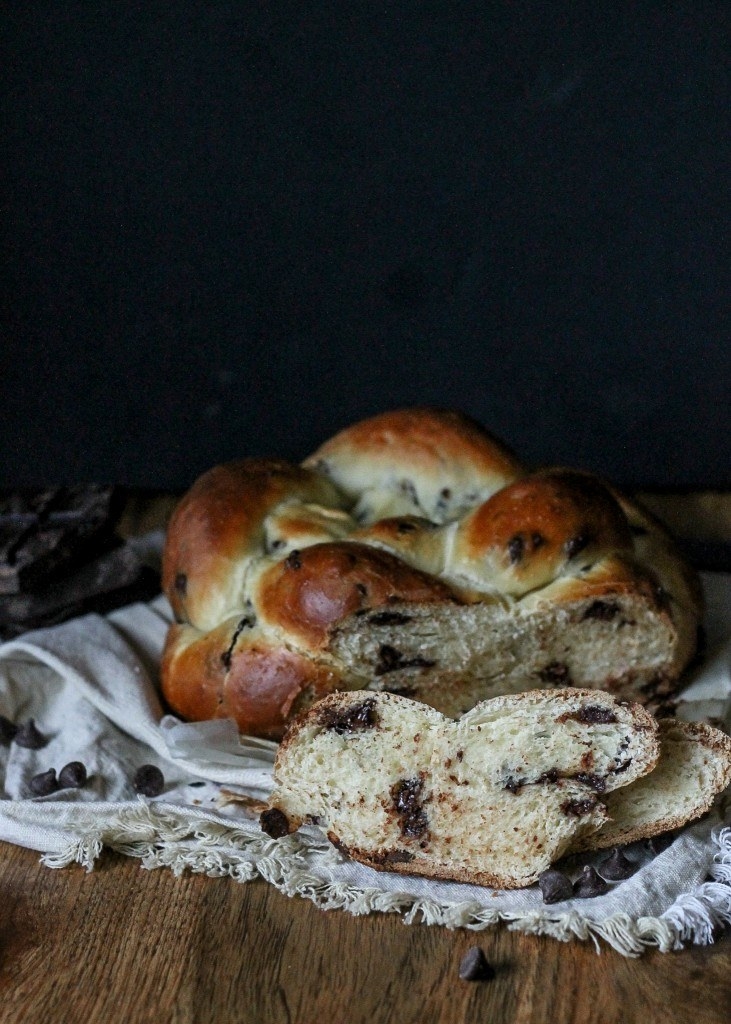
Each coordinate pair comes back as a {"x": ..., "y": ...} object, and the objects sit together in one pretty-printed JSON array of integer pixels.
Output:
[
  {"x": 412, "y": 506},
  {"x": 313, "y": 590},
  {"x": 528, "y": 532},
  {"x": 218, "y": 525},
  {"x": 235, "y": 672}
]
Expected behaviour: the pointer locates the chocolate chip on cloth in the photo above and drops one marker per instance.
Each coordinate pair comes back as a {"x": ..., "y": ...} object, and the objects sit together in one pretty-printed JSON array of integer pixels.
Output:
[
  {"x": 589, "y": 885},
  {"x": 72, "y": 776},
  {"x": 474, "y": 967},
  {"x": 555, "y": 886},
  {"x": 44, "y": 783},
  {"x": 148, "y": 780},
  {"x": 27, "y": 735},
  {"x": 617, "y": 867}
]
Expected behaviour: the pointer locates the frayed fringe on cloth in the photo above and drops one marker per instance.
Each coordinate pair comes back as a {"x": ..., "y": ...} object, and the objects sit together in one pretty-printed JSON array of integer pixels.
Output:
[{"x": 163, "y": 840}]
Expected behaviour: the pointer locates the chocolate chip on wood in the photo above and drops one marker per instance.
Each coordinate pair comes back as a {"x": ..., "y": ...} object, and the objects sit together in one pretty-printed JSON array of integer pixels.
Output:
[{"x": 474, "y": 966}]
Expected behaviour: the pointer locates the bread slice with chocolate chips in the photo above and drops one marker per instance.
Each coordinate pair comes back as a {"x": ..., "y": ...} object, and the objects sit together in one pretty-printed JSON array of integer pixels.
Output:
[
  {"x": 493, "y": 798},
  {"x": 693, "y": 768}
]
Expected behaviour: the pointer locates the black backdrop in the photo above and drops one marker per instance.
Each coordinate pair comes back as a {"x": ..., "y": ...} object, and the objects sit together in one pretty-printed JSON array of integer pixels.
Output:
[{"x": 233, "y": 227}]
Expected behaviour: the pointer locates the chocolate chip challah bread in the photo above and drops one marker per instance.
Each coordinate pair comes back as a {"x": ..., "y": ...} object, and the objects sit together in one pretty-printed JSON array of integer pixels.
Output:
[
  {"x": 413, "y": 553},
  {"x": 498, "y": 796},
  {"x": 494, "y": 798}
]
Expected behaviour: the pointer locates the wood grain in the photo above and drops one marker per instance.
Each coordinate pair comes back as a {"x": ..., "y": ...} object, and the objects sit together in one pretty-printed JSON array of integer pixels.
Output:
[{"x": 126, "y": 944}]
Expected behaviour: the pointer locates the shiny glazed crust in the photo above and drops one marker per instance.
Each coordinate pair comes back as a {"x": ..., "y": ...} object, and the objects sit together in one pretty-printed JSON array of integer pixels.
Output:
[{"x": 412, "y": 533}]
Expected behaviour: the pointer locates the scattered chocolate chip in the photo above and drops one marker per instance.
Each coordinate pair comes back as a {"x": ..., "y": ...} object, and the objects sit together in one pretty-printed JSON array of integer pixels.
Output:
[
  {"x": 8, "y": 729},
  {"x": 389, "y": 619},
  {"x": 604, "y": 611},
  {"x": 355, "y": 719},
  {"x": 406, "y": 796},
  {"x": 578, "y": 808},
  {"x": 589, "y": 884},
  {"x": 474, "y": 967},
  {"x": 516, "y": 546},
  {"x": 293, "y": 560},
  {"x": 591, "y": 714},
  {"x": 72, "y": 775},
  {"x": 574, "y": 545},
  {"x": 44, "y": 783},
  {"x": 596, "y": 782},
  {"x": 274, "y": 822},
  {"x": 391, "y": 660},
  {"x": 28, "y": 736},
  {"x": 148, "y": 780},
  {"x": 617, "y": 866},
  {"x": 555, "y": 886}
]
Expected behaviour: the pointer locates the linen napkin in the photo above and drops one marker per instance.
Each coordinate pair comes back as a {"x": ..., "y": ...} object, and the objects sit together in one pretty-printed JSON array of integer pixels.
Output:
[{"x": 91, "y": 687}]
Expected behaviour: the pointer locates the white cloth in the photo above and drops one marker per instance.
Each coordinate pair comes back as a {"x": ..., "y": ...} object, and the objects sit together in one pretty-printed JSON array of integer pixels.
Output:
[{"x": 91, "y": 687}]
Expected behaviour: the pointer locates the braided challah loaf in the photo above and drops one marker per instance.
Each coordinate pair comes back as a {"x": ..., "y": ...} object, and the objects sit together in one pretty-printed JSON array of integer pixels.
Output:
[{"x": 412, "y": 553}]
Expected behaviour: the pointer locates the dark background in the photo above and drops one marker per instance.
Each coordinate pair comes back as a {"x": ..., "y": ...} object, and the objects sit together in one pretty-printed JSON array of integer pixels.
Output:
[{"x": 232, "y": 228}]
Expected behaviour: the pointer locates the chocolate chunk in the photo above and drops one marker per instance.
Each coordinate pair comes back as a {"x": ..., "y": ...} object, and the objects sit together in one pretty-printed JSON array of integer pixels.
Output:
[
  {"x": 474, "y": 967},
  {"x": 589, "y": 885},
  {"x": 274, "y": 822},
  {"x": 355, "y": 719},
  {"x": 604, "y": 611},
  {"x": 44, "y": 783},
  {"x": 388, "y": 857},
  {"x": 591, "y": 714},
  {"x": 28, "y": 736},
  {"x": 109, "y": 579},
  {"x": 43, "y": 533},
  {"x": 148, "y": 780},
  {"x": 406, "y": 796},
  {"x": 72, "y": 775},
  {"x": 596, "y": 782},
  {"x": 617, "y": 866},
  {"x": 8, "y": 729},
  {"x": 391, "y": 660},
  {"x": 555, "y": 886},
  {"x": 578, "y": 808},
  {"x": 389, "y": 619}
]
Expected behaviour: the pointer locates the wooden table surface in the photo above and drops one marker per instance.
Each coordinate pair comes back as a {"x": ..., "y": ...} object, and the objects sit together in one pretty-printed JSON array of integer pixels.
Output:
[{"x": 126, "y": 944}]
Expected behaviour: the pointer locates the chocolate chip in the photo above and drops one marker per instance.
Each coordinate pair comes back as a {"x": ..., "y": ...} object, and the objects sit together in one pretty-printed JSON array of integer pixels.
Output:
[
  {"x": 617, "y": 866},
  {"x": 596, "y": 782},
  {"x": 474, "y": 967},
  {"x": 391, "y": 660},
  {"x": 590, "y": 714},
  {"x": 8, "y": 729},
  {"x": 604, "y": 611},
  {"x": 576, "y": 544},
  {"x": 181, "y": 584},
  {"x": 406, "y": 796},
  {"x": 516, "y": 546},
  {"x": 72, "y": 775},
  {"x": 389, "y": 619},
  {"x": 274, "y": 822},
  {"x": 353, "y": 719},
  {"x": 589, "y": 885},
  {"x": 578, "y": 808},
  {"x": 293, "y": 560},
  {"x": 44, "y": 783},
  {"x": 555, "y": 886},
  {"x": 28, "y": 736},
  {"x": 148, "y": 780}
]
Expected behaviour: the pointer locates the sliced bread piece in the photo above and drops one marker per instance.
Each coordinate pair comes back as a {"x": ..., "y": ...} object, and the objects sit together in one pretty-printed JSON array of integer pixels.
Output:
[
  {"x": 693, "y": 768},
  {"x": 492, "y": 799}
]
